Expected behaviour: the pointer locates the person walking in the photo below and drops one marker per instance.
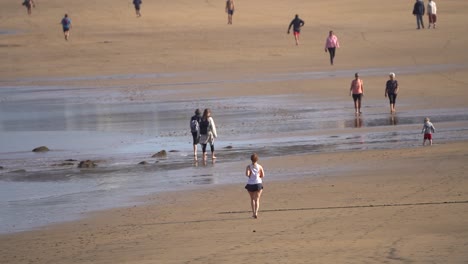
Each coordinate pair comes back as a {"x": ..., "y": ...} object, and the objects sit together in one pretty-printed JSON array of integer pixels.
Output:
[
  {"x": 418, "y": 11},
  {"x": 29, "y": 4},
  {"x": 432, "y": 13},
  {"x": 357, "y": 91},
  {"x": 137, "y": 4},
  {"x": 297, "y": 24},
  {"x": 195, "y": 130},
  {"x": 207, "y": 133},
  {"x": 331, "y": 44},
  {"x": 254, "y": 187},
  {"x": 230, "y": 10},
  {"x": 66, "y": 26},
  {"x": 391, "y": 90},
  {"x": 427, "y": 130}
]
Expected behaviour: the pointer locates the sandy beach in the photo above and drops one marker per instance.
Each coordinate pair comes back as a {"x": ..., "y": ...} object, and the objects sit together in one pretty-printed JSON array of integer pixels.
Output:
[{"x": 361, "y": 203}]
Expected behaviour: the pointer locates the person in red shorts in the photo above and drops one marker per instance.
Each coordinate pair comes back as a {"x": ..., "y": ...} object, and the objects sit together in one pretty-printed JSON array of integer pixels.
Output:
[
  {"x": 427, "y": 130},
  {"x": 297, "y": 24}
]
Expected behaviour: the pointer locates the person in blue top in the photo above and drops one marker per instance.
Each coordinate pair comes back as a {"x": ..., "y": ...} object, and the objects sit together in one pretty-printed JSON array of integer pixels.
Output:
[
  {"x": 66, "y": 25},
  {"x": 137, "y": 4},
  {"x": 418, "y": 11}
]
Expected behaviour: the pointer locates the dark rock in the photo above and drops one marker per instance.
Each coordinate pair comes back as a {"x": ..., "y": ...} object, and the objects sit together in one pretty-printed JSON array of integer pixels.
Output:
[
  {"x": 228, "y": 147},
  {"x": 143, "y": 163},
  {"x": 41, "y": 149},
  {"x": 174, "y": 150},
  {"x": 70, "y": 160},
  {"x": 65, "y": 164},
  {"x": 87, "y": 164},
  {"x": 18, "y": 171},
  {"x": 160, "y": 154}
]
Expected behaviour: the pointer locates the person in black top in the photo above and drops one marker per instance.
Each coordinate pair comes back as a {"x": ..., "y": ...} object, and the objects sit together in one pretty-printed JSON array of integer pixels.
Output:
[
  {"x": 29, "y": 4},
  {"x": 391, "y": 90},
  {"x": 195, "y": 130},
  {"x": 296, "y": 23}
]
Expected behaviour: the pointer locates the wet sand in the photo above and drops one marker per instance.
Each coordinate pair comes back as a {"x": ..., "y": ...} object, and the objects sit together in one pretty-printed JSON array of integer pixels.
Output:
[{"x": 343, "y": 189}]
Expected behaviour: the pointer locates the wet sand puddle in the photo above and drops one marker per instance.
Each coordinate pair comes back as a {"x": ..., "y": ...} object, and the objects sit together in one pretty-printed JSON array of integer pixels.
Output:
[{"x": 35, "y": 190}]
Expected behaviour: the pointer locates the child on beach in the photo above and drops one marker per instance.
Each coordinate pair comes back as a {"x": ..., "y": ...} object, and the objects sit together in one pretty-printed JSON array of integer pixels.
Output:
[
  {"x": 427, "y": 130},
  {"x": 255, "y": 173}
]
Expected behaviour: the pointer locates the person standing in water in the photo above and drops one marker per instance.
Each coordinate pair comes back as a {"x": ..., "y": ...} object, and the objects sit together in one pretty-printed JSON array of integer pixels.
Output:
[
  {"x": 195, "y": 130},
  {"x": 427, "y": 130},
  {"x": 254, "y": 187},
  {"x": 331, "y": 44},
  {"x": 297, "y": 24},
  {"x": 357, "y": 91},
  {"x": 230, "y": 10},
  {"x": 391, "y": 90},
  {"x": 207, "y": 133}
]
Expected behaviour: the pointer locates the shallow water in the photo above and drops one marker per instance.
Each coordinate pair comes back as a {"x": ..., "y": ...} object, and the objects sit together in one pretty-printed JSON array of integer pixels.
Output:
[{"x": 38, "y": 189}]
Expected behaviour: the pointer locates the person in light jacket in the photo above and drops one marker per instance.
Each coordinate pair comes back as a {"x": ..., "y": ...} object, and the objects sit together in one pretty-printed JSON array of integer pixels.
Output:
[
  {"x": 427, "y": 130},
  {"x": 331, "y": 44},
  {"x": 207, "y": 133},
  {"x": 432, "y": 13}
]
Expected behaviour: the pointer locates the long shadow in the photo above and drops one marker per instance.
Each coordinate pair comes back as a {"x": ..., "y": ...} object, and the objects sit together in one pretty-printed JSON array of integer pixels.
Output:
[
  {"x": 350, "y": 207},
  {"x": 301, "y": 209}
]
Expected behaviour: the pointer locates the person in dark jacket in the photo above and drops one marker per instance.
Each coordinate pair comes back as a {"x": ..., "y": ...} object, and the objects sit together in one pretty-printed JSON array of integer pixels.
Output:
[
  {"x": 137, "y": 4},
  {"x": 296, "y": 23},
  {"x": 195, "y": 130},
  {"x": 418, "y": 11}
]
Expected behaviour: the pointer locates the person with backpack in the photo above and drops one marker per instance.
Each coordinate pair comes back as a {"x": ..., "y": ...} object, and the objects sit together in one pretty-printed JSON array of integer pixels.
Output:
[
  {"x": 207, "y": 133},
  {"x": 195, "y": 130},
  {"x": 66, "y": 25}
]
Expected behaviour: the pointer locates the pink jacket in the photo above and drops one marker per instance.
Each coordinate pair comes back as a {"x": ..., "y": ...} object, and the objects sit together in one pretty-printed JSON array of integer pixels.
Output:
[{"x": 332, "y": 42}]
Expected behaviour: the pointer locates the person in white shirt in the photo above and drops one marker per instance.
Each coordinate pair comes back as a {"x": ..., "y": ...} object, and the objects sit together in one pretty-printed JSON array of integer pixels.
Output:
[
  {"x": 255, "y": 173},
  {"x": 432, "y": 13}
]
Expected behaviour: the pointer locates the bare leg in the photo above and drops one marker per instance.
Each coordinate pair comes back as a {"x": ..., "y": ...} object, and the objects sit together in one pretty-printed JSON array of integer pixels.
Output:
[
  {"x": 195, "y": 151},
  {"x": 257, "y": 202},
  {"x": 359, "y": 105},
  {"x": 212, "y": 151},
  {"x": 252, "y": 202}
]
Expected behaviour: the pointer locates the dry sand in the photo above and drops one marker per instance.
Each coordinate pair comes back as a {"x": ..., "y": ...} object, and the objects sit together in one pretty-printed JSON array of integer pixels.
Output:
[{"x": 337, "y": 218}]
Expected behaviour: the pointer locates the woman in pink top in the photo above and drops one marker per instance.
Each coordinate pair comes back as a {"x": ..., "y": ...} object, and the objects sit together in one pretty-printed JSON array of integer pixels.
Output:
[
  {"x": 330, "y": 45},
  {"x": 357, "y": 91}
]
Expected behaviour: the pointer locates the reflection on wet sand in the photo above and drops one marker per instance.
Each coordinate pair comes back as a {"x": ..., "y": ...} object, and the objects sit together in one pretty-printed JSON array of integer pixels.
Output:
[
  {"x": 393, "y": 120},
  {"x": 358, "y": 121}
]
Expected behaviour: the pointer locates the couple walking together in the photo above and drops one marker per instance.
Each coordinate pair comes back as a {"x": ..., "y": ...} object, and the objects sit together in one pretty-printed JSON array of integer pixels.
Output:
[{"x": 203, "y": 130}]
